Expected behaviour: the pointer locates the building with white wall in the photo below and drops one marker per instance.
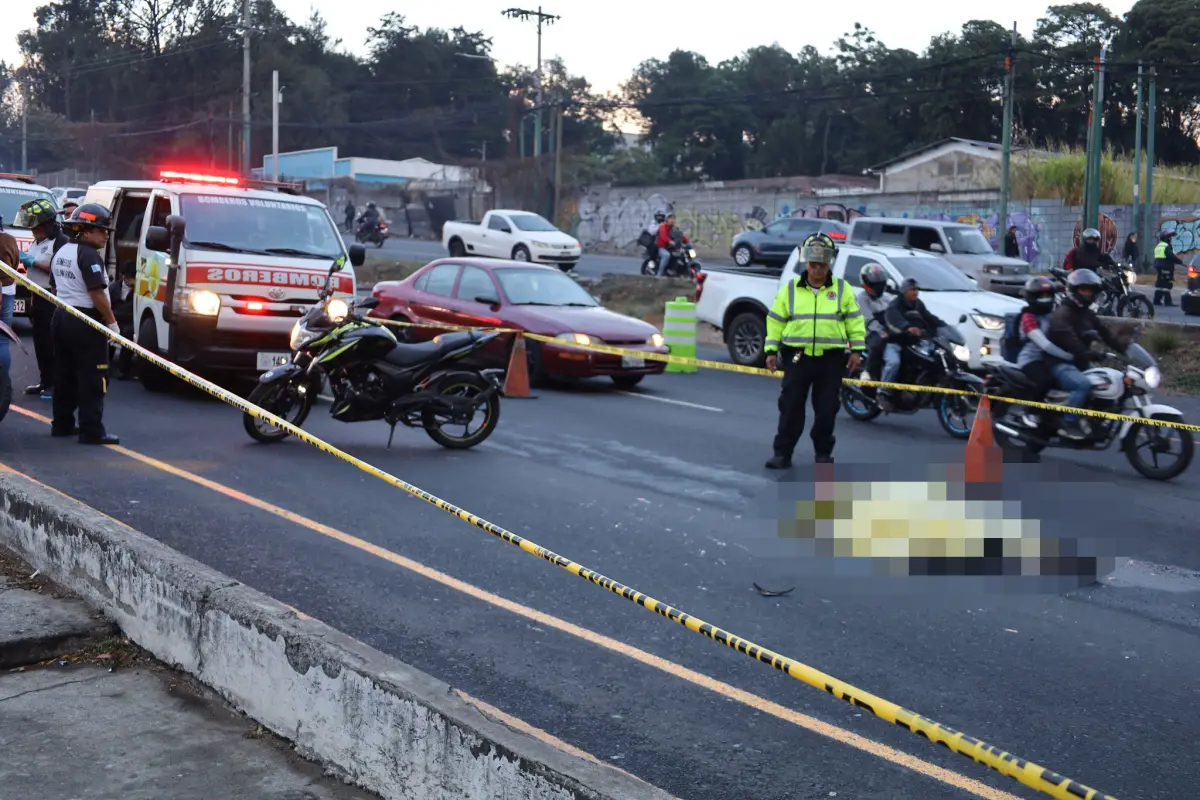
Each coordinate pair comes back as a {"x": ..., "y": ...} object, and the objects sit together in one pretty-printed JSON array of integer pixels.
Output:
[{"x": 321, "y": 164}]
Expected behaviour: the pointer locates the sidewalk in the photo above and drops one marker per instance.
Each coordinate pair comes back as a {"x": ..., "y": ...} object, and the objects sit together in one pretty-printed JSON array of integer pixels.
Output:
[{"x": 85, "y": 714}]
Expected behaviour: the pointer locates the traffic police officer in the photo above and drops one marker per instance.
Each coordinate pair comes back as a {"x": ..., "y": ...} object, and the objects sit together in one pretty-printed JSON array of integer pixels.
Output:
[
  {"x": 81, "y": 352},
  {"x": 1164, "y": 264},
  {"x": 41, "y": 217},
  {"x": 815, "y": 331}
]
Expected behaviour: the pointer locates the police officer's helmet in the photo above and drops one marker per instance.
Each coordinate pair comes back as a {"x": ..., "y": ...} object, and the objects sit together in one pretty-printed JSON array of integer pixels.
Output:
[
  {"x": 1090, "y": 233},
  {"x": 90, "y": 216},
  {"x": 818, "y": 249},
  {"x": 1082, "y": 280},
  {"x": 873, "y": 277},
  {"x": 35, "y": 213},
  {"x": 1039, "y": 294},
  {"x": 1166, "y": 236}
]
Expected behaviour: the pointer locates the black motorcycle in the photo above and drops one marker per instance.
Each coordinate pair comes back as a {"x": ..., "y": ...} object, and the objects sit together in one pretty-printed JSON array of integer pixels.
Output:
[
  {"x": 683, "y": 264},
  {"x": 373, "y": 234},
  {"x": 937, "y": 360},
  {"x": 372, "y": 376},
  {"x": 1115, "y": 298}
]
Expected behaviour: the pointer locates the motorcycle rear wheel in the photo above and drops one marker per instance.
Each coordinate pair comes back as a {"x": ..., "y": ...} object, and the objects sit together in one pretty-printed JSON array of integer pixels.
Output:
[
  {"x": 271, "y": 398},
  {"x": 464, "y": 385}
]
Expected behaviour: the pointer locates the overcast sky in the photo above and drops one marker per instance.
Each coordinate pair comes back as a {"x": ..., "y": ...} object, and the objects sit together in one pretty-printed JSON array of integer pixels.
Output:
[{"x": 605, "y": 41}]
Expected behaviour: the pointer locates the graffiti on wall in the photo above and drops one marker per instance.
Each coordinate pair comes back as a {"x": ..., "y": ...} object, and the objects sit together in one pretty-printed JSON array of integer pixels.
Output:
[
  {"x": 612, "y": 221},
  {"x": 1187, "y": 233}
]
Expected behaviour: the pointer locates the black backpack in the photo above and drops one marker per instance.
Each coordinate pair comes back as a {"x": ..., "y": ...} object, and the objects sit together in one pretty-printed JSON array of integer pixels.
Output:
[{"x": 1012, "y": 341}]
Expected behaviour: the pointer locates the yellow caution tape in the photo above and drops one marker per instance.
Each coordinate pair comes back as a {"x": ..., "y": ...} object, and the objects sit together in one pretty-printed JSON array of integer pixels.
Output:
[{"x": 1026, "y": 772}]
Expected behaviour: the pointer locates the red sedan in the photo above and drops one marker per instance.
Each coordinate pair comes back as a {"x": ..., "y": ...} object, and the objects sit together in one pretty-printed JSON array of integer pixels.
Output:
[{"x": 486, "y": 293}]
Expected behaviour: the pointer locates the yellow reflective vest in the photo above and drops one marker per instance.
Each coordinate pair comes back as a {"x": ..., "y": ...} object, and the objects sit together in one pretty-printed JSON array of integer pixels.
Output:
[{"x": 816, "y": 322}]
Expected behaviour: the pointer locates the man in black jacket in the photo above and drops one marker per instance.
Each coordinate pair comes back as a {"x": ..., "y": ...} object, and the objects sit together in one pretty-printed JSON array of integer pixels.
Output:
[
  {"x": 1073, "y": 327},
  {"x": 901, "y": 331}
]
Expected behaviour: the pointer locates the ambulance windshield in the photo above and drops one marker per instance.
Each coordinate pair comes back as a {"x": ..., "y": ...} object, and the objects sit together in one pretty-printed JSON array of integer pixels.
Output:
[{"x": 259, "y": 226}]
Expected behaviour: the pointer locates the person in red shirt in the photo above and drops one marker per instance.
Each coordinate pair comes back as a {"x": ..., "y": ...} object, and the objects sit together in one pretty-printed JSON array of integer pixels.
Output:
[{"x": 670, "y": 237}]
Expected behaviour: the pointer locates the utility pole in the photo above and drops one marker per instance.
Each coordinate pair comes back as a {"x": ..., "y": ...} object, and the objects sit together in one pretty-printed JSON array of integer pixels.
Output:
[
  {"x": 1098, "y": 156},
  {"x": 229, "y": 142},
  {"x": 557, "y": 157},
  {"x": 1137, "y": 165},
  {"x": 246, "y": 87},
  {"x": 1151, "y": 124},
  {"x": 24, "y": 132},
  {"x": 1091, "y": 135},
  {"x": 93, "y": 145},
  {"x": 275, "y": 100},
  {"x": 1006, "y": 143},
  {"x": 483, "y": 151},
  {"x": 541, "y": 18}
]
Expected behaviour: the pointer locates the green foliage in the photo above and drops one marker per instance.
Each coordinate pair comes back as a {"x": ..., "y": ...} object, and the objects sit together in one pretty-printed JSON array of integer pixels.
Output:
[
  {"x": 1162, "y": 340},
  {"x": 1061, "y": 175}
]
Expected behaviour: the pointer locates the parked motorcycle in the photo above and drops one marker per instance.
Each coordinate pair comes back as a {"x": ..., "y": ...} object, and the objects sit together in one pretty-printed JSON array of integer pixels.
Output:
[
  {"x": 372, "y": 376},
  {"x": 1115, "y": 298},
  {"x": 937, "y": 360},
  {"x": 1019, "y": 428},
  {"x": 683, "y": 264},
  {"x": 376, "y": 235},
  {"x": 6, "y": 379}
]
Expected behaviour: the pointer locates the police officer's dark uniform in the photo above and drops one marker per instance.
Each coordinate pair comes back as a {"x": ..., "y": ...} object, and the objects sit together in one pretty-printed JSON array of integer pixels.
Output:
[
  {"x": 41, "y": 217},
  {"x": 81, "y": 352},
  {"x": 816, "y": 327},
  {"x": 1164, "y": 265}
]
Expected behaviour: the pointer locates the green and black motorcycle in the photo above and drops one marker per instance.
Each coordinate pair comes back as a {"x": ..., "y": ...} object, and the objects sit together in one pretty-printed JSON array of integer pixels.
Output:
[{"x": 372, "y": 376}]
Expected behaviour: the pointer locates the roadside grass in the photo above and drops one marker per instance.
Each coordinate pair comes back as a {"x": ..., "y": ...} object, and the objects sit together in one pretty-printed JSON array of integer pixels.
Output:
[
  {"x": 378, "y": 269},
  {"x": 1177, "y": 348}
]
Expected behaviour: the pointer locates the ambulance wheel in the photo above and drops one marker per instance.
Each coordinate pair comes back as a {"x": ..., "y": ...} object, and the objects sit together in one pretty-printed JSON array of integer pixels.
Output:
[{"x": 152, "y": 376}]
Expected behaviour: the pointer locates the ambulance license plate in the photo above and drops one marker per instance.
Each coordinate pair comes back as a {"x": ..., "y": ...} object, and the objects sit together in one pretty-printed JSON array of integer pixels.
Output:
[
  {"x": 632, "y": 362},
  {"x": 19, "y": 306},
  {"x": 268, "y": 360}
]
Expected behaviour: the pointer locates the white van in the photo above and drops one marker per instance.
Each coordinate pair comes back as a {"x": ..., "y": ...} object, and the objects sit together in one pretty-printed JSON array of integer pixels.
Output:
[
  {"x": 16, "y": 190},
  {"x": 223, "y": 271}
]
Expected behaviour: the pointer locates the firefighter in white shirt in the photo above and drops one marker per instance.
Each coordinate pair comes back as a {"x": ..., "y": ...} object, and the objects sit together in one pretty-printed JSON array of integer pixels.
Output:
[
  {"x": 41, "y": 217},
  {"x": 81, "y": 352}
]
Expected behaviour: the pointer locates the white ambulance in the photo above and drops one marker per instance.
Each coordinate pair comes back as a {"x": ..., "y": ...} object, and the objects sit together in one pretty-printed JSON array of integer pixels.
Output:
[
  {"x": 223, "y": 269},
  {"x": 16, "y": 190}
]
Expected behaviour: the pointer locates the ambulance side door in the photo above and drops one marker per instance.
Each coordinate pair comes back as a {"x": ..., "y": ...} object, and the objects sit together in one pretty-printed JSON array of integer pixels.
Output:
[{"x": 150, "y": 285}]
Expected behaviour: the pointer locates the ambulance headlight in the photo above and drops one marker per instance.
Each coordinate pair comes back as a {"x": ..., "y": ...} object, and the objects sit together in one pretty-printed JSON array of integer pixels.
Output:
[
  {"x": 201, "y": 301},
  {"x": 337, "y": 310}
]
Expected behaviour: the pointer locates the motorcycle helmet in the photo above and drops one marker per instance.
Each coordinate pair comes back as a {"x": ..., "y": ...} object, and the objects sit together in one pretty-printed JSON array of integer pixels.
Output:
[
  {"x": 1039, "y": 294},
  {"x": 35, "y": 213},
  {"x": 873, "y": 278},
  {"x": 660, "y": 217},
  {"x": 818, "y": 249},
  {"x": 1083, "y": 285},
  {"x": 370, "y": 205},
  {"x": 1089, "y": 234},
  {"x": 90, "y": 215},
  {"x": 1166, "y": 236}
]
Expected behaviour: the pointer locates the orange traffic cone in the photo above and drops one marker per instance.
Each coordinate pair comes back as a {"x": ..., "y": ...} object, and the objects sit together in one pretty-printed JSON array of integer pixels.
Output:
[
  {"x": 983, "y": 460},
  {"x": 516, "y": 378}
]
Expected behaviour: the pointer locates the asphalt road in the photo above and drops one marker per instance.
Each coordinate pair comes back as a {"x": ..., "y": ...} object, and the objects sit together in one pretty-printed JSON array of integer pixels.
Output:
[{"x": 664, "y": 490}]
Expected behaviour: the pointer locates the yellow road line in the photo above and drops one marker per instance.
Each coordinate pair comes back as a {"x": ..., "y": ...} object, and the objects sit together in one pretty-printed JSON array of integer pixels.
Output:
[{"x": 812, "y": 724}]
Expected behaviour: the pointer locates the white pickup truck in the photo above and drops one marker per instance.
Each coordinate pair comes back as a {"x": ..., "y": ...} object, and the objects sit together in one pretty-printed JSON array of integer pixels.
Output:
[
  {"x": 515, "y": 235},
  {"x": 737, "y": 302}
]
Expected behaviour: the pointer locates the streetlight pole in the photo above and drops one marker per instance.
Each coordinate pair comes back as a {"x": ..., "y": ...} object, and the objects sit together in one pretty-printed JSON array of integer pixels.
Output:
[
  {"x": 541, "y": 18},
  {"x": 246, "y": 87},
  {"x": 1137, "y": 164},
  {"x": 1006, "y": 143},
  {"x": 276, "y": 98},
  {"x": 1151, "y": 124}
]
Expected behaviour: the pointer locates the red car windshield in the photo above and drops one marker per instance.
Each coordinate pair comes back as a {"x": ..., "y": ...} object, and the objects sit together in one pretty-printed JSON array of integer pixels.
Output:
[{"x": 542, "y": 287}]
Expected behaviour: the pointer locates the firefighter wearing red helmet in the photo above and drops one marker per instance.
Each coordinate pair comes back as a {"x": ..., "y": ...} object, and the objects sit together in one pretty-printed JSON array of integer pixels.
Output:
[{"x": 81, "y": 352}]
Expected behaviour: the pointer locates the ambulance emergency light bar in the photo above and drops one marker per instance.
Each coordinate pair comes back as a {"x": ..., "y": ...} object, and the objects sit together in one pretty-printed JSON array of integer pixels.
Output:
[
  {"x": 174, "y": 176},
  {"x": 12, "y": 176}
]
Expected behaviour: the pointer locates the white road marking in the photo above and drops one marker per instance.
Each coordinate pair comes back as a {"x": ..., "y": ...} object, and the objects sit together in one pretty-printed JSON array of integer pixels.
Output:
[{"x": 674, "y": 402}]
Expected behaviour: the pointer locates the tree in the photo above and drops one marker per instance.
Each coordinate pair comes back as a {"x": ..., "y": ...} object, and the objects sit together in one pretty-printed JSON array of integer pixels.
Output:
[{"x": 1168, "y": 32}]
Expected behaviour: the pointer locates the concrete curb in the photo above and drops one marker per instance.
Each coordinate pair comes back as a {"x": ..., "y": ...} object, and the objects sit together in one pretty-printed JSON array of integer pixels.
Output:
[{"x": 387, "y": 727}]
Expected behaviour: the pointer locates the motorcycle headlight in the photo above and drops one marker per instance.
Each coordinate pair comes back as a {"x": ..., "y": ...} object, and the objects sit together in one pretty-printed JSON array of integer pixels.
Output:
[
  {"x": 1152, "y": 377},
  {"x": 300, "y": 336},
  {"x": 691, "y": 253},
  {"x": 989, "y": 322},
  {"x": 961, "y": 353},
  {"x": 337, "y": 309},
  {"x": 1131, "y": 277},
  {"x": 656, "y": 340}
]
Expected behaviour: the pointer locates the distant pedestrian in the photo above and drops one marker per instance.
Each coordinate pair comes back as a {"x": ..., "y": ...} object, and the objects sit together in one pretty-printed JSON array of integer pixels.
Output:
[
  {"x": 1132, "y": 253},
  {"x": 349, "y": 214},
  {"x": 1012, "y": 248},
  {"x": 815, "y": 332}
]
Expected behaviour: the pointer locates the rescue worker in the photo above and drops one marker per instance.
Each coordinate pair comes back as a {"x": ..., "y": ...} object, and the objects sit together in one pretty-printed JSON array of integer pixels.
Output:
[
  {"x": 902, "y": 329},
  {"x": 1164, "y": 264},
  {"x": 41, "y": 217},
  {"x": 815, "y": 331},
  {"x": 873, "y": 302},
  {"x": 81, "y": 352}
]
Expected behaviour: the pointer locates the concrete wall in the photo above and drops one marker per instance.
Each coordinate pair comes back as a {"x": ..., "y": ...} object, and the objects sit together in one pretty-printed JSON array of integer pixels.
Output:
[{"x": 609, "y": 220}]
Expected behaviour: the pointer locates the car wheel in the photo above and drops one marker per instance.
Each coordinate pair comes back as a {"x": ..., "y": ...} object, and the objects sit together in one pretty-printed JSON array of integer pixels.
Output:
[
  {"x": 745, "y": 339},
  {"x": 521, "y": 253},
  {"x": 743, "y": 256},
  {"x": 456, "y": 248}
]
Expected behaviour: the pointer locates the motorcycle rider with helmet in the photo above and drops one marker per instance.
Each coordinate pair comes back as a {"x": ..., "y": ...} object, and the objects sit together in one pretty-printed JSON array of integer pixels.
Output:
[
  {"x": 369, "y": 219},
  {"x": 1087, "y": 254},
  {"x": 670, "y": 238},
  {"x": 1073, "y": 327},
  {"x": 1038, "y": 354},
  {"x": 901, "y": 331},
  {"x": 873, "y": 302},
  {"x": 649, "y": 237}
]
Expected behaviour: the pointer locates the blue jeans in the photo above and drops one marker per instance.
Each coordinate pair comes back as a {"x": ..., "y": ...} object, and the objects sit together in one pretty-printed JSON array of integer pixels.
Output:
[
  {"x": 891, "y": 363},
  {"x": 6, "y": 316},
  {"x": 664, "y": 258},
  {"x": 1071, "y": 380}
]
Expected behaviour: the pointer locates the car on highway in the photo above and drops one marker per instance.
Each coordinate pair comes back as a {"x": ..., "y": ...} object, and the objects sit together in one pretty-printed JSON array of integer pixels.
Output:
[
  {"x": 515, "y": 235},
  {"x": 14, "y": 191},
  {"x": 737, "y": 302},
  {"x": 485, "y": 293},
  {"x": 64, "y": 193},
  {"x": 774, "y": 244}
]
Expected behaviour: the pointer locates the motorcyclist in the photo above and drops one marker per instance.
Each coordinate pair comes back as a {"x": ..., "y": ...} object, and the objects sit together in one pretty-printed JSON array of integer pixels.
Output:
[
  {"x": 902, "y": 330},
  {"x": 670, "y": 237},
  {"x": 1073, "y": 327},
  {"x": 1164, "y": 265},
  {"x": 1038, "y": 354},
  {"x": 873, "y": 301},
  {"x": 649, "y": 238},
  {"x": 369, "y": 220},
  {"x": 1087, "y": 254}
]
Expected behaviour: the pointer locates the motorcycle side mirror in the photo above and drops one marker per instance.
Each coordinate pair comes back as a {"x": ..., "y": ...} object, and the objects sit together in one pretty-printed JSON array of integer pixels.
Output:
[
  {"x": 358, "y": 255},
  {"x": 962, "y": 319},
  {"x": 338, "y": 265}
]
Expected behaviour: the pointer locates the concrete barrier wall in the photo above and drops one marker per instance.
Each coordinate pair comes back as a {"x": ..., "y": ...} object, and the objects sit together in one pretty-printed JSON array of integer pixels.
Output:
[
  {"x": 386, "y": 726},
  {"x": 609, "y": 220}
]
